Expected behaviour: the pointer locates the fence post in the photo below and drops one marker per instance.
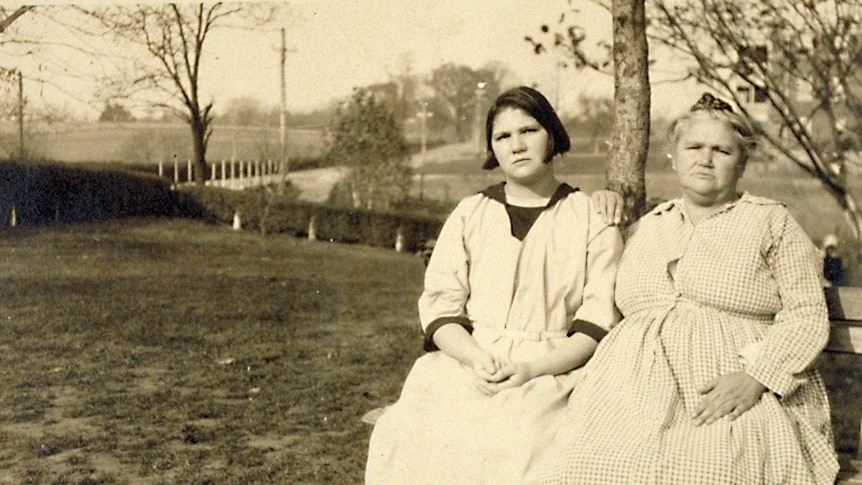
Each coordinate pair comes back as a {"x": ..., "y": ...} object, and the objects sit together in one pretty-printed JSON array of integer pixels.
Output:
[
  {"x": 13, "y": 217},
  {"x": 176, "y": 171},
  {"x": 237, "y": 223},
  {"x": 191, "y": 177},
  {"x": 312, "y": 228},
  {"x": 400, "y": 243},
  {"x": 223, "y": 174},
  {"x": 161, "y": 168}
]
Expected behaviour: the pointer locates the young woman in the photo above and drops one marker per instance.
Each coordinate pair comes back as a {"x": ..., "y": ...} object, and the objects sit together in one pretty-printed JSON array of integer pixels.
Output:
[
  {"x": 710, "y": 376},
  {"x": 518, "y": 292}
]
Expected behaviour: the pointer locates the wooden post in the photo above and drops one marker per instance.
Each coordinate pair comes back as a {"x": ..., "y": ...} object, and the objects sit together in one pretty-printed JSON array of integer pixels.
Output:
[
  {"x": 191, "y": 174},
  {"x": 13, "y": 217},
  {"x": 223, "y": 174},
  {"x": 237, "y": 222},
  {"x": 161, "y": 168},
  {"x": 400, "y": 243},
  {"x": 312, "y": 228},
  {"x": 176, "y": 171}
]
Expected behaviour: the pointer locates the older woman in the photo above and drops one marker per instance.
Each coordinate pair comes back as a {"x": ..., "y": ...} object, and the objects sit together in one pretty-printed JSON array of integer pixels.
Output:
[
  {"x": 517, "y": 293},
  {"x": 709, "y": 376}
]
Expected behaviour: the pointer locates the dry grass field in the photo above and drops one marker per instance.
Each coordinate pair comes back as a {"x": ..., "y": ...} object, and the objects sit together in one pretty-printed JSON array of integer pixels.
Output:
[{"x": 170, "y": 351}]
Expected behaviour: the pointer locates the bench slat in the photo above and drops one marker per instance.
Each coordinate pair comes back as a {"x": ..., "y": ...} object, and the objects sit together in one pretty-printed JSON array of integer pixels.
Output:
[
  {"x": 844, "y": 303},
  {"x": 845, "y": 315},
  {"x": 845, "y": 336},
  {"x": 851, "y": 471}
]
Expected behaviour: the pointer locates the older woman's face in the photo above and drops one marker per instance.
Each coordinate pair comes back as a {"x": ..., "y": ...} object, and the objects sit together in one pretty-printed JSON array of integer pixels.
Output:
[{"x": 707, "y": 159}]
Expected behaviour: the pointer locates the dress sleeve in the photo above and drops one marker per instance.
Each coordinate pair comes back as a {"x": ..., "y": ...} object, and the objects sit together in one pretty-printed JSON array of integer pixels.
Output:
[
  {"x": 603, "y": 256},
  {"x": 447, "y": 287},
  {"x": 801, "y": 328}
]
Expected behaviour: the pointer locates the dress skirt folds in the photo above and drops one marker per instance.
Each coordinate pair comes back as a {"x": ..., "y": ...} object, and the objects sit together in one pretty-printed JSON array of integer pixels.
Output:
[
  {"x": 739, "y": 291},
  {"x": 443, "y": 430}
]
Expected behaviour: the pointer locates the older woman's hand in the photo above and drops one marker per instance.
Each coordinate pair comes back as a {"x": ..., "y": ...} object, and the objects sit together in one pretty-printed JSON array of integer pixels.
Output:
[{"x": 727, "y": 395}]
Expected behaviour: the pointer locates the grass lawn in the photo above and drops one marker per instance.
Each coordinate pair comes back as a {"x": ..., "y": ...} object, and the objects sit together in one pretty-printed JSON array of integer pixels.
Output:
[{"x": 170, "y": 351}]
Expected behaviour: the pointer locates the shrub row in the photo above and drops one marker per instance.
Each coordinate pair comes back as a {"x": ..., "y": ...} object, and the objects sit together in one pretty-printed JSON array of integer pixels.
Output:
[
  {"x": 268, "y": 212},
  {"x": 41, "y": 194}
]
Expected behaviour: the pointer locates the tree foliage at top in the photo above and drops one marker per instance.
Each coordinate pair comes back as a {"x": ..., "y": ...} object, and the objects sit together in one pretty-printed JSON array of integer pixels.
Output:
[
  {"x": 460, "y": 94},
  {"x": 115, "y": 112},
  {"x": 801, "y": 59},
  {"x": 595, "y": 119},
  {"x": 367, "y": 140}
]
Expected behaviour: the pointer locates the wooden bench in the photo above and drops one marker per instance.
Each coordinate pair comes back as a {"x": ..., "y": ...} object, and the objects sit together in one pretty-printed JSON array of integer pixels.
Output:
[{"x": 845, "y": 314}]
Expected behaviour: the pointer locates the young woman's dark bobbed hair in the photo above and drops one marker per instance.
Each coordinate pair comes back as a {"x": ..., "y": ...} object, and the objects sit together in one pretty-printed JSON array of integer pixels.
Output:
[{"x": 536, "y": 105}]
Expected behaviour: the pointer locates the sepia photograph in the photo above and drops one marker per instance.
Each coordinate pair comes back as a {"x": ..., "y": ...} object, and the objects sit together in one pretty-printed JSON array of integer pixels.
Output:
[{"x": 431, "y": 242}]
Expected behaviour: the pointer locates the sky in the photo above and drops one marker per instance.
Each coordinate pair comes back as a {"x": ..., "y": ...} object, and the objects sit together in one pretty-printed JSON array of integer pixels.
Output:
[{"x": 336, "y": 45}]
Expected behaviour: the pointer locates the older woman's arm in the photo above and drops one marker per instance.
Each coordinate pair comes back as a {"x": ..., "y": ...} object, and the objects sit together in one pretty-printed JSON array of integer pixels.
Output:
[
  {"x": 801, "y": 327},
  {"x": 797, "y": 336}
]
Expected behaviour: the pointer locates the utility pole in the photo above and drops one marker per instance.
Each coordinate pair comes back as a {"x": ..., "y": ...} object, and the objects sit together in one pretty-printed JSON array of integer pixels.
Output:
[
  {"x": 282, "y": 116},
  {"x": 21, "y": 154},
  {"x": 480, "y": 148}
]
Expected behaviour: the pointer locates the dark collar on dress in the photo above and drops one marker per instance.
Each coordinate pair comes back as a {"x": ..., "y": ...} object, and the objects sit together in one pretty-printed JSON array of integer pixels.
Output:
[
  {"x": 521, "y": 219},
  {"x": 498, "y": 192}
]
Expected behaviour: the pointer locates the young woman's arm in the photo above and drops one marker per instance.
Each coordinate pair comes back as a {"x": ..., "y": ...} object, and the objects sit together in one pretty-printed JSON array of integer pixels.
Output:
[
  {"x": 442, "y": 304},
  {"x": 571, "y": 353},
  {"x": 593, "y": 319}
]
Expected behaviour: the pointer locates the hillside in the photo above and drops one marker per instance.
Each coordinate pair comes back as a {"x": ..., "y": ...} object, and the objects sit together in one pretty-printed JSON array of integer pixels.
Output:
[{"x": 146, "y": 142}]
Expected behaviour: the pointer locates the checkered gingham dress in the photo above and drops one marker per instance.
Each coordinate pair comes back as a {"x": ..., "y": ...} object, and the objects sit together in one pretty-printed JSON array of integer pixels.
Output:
[{"x": 738, "y": 291}]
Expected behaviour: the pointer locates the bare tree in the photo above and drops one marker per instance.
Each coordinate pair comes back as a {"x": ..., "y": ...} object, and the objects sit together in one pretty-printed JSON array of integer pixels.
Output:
[
  {"x": 800, "y": 59},
  {"x": 7, "y": 19},
  {"x": 173, "y": 36}
]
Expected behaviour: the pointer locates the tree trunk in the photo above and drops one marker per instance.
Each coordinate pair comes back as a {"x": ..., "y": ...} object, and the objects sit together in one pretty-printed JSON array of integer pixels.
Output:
[
  {"x": 199, "y": 151},
  {"x": 852, "y": 213},
  {"x": 630, "y": 136}
]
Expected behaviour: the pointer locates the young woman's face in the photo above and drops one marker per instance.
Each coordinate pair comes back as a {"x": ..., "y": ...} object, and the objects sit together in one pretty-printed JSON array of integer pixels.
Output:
[
  {"x": 520, "y": 145},
  {"x": 707, "y": 159}
]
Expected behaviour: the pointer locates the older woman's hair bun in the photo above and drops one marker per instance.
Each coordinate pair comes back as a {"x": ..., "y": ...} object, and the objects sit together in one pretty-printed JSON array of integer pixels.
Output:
[
  {"x": 713, "y": 107},
  {"x": 708, "y": 102}
]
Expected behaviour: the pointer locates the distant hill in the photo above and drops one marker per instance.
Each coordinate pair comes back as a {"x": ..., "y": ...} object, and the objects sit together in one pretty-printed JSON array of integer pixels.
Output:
[{"x": 145, "y": 142}]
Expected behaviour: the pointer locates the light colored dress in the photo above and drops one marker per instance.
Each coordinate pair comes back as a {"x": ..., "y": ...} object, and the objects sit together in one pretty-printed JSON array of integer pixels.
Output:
[
  {"x": 739, "y": 291},
  {"x": 521, "y": 298}
]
